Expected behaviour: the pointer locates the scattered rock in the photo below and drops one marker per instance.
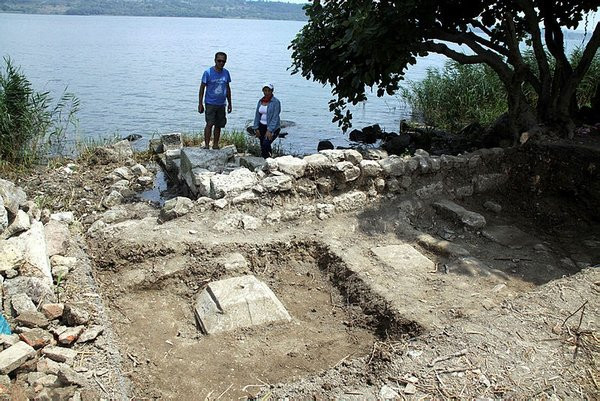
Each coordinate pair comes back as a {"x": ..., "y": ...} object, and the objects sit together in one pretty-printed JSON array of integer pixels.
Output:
[
  {"x": 14, "y": 356},
  {"x": 75, "y": 315}
]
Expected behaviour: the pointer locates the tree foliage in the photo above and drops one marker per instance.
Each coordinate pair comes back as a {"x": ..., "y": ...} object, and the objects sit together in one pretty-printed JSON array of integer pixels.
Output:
[{"x": 355, "y": 44}]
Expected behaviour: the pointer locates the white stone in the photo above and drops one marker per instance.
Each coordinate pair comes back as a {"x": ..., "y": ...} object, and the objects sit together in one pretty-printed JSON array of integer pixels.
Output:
[
  {"x": 277, "y": 183},
  {"x": 350, "y": 201},
  {"x": 353, "y": 156},
  {"x": 468, "y": 218},
  {"x": 12, "y": 196},
  {"x": 14, "y": 356},
  {"x": 36, "y": 253},
  {"x": 221, "y": 203},
  {"x": 317, "y": 161},
  {"x": 393, "y": 166},
  {"x": 334, "y": 155},
  {"x": 139, "y": 170},
  {"x": 348, "y": 170},
  {"x": 12, "y": 254},
  {"x": 65, "y": 217},
  {"x": 112, "y": 199},
  {"x": 291, "y": 165},
  {"x": 59, "y": 354},
  {"x": 3, "y": 216},
  {"x": 370, "y": 168},
  {"x": 233, "y": 183},
  {"x": 21, "y": 302},
  {"x": 20, "y": 223},
  {"x": 234, "y": 261},
  {"x": 403, "y": 258},
  {"x": 238, "y": 302}
]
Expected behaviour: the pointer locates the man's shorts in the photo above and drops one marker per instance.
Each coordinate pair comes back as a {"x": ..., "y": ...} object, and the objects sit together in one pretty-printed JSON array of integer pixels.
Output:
[{"x": 215, "y": 115}]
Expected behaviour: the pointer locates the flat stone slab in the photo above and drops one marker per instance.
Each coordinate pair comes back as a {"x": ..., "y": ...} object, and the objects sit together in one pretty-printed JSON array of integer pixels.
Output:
[
  {"x": 238, "y": 302},
  {"x": 403, "y": 258},
  {"x": 509, "y": 236},
  {"x": 459, "y": 213}
]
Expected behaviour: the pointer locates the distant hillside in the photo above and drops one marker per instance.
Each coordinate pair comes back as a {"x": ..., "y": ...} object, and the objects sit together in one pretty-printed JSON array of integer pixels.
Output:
[{"x": 160, "y": 8}]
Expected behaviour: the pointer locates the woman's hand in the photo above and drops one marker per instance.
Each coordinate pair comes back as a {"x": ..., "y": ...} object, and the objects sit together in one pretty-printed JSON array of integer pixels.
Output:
[{"x": 269, "y": 135}]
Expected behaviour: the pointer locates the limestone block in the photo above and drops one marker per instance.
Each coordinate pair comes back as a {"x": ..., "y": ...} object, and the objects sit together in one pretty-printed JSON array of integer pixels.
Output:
[
  {"x": 57, "y": 237},
  {"x": 139, "y": 170},
  {"x": 233, "y": 262},
  {"x": 349, "y": 172},
  {"x": 64, "y": 217},
  {"x": 14, "y": 356},
  {"x": 114, "y": 215},
  {"x": 292, "y": 166},
  {"x": 277, "y": 183},
  {"x": 374, "y": 154},
  {"x": 370, "y": 168},
  {"x": 429, "y": 191},
  {"x": 176, "y": 207},
  {"x": 334, "y": 155},
  {"x": 403, "y": 258},
  {"x": 232, "y": 184},
  {"x": 124, "y": 173},
  {"x": 252, "y": 163},
  {"x": 12, "y": 196},
  {"x": 238, "y": 302},
  {"x": 212, "y": 160},
  {"x": 36, "y": 253},
  {"x": 37, "y": 288},
  {"x": 12, "y": 254},
  {"x": 112, "y": 199},
  {"x": 21, "y": 303},
  {"x": 424, "y": 163},
  {"x": 459, "y": 213},
  {"x": 59, "y": 354},
  {"x": 3, "y": 216},
  {"x": 353, "y": 156},
  {"x": 509, "y": 236},
  {"x": 244, "y": 197},
  {"x": 317, "y": 161},
  {"x": 393, "y": 166},
  {"x": 350, "y": 201}
]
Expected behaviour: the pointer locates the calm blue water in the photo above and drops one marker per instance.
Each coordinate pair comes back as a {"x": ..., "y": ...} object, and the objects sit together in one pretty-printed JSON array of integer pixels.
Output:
[{"x": 140, "y": 75}]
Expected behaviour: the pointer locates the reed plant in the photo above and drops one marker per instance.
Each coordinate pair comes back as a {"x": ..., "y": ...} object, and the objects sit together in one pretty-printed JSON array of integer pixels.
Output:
[
  {"x": 460, "y": 94},
  {"x": 32, "y": 126},
  {"x": 457, "y": 95}
]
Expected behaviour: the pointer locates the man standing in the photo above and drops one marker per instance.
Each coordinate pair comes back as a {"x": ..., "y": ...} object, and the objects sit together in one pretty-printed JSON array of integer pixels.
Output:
[{"x": 215, "y": 81}]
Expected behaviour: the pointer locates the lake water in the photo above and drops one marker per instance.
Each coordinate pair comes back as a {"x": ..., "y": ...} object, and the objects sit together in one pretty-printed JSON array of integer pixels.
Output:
[{"x": 140, "y": 75}]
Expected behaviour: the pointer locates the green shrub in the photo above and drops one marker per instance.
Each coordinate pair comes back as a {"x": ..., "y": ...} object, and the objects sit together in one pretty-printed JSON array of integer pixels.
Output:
[
  {"x": 30, "y": 127},
  {"x": 460, "y": 94},
  {"x": 457, "y": 95}
]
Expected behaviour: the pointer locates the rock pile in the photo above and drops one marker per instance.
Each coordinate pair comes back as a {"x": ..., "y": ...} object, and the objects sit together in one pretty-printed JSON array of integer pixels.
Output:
[{"x": 39, "y": 355}]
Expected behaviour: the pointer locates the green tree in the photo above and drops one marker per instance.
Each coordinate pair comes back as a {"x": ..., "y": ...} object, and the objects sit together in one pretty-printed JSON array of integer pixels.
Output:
[{"x": 354, "y": 44}]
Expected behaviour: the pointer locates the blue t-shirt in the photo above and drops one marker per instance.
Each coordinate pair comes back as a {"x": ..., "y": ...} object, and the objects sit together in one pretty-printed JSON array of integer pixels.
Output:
[{"x": 216, "y": 86}]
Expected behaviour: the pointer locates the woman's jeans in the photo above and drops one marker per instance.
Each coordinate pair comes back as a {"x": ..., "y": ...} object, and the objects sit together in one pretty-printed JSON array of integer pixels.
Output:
[{"x": 265, "y": 144}]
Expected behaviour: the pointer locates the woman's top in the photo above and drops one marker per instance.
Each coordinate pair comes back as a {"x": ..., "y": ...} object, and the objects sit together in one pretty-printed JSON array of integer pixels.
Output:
[
  {"x": 262, "y": 109},
  {"x": 273, "y": 111}
]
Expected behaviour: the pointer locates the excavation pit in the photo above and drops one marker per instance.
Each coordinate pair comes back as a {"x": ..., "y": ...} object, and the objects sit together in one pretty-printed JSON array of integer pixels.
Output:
[{"x": 166, "y": 355}]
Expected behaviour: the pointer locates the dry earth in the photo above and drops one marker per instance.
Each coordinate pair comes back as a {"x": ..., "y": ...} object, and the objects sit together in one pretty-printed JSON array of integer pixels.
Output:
[{"x": 513, "y": 319}]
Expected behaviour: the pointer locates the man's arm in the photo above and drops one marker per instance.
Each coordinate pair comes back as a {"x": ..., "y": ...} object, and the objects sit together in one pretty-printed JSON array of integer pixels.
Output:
[
  {"x": 201, "y": 98},
  {"x": 229, "y": 105}
]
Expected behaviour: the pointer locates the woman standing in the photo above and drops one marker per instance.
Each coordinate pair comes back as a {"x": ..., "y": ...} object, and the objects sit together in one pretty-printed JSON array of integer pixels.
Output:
[{"x": 266, "y": 120}]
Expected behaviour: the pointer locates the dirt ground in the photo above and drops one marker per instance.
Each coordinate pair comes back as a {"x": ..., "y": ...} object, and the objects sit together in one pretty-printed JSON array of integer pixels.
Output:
[{"x": 512, "y": 321}]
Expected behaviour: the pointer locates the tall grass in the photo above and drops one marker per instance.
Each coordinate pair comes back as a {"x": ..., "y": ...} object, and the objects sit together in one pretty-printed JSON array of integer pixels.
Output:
[
  {"x": 457, "y": 95},
  {"x": 460, "y": 94},
  {"x": 31, "y": 127}
]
